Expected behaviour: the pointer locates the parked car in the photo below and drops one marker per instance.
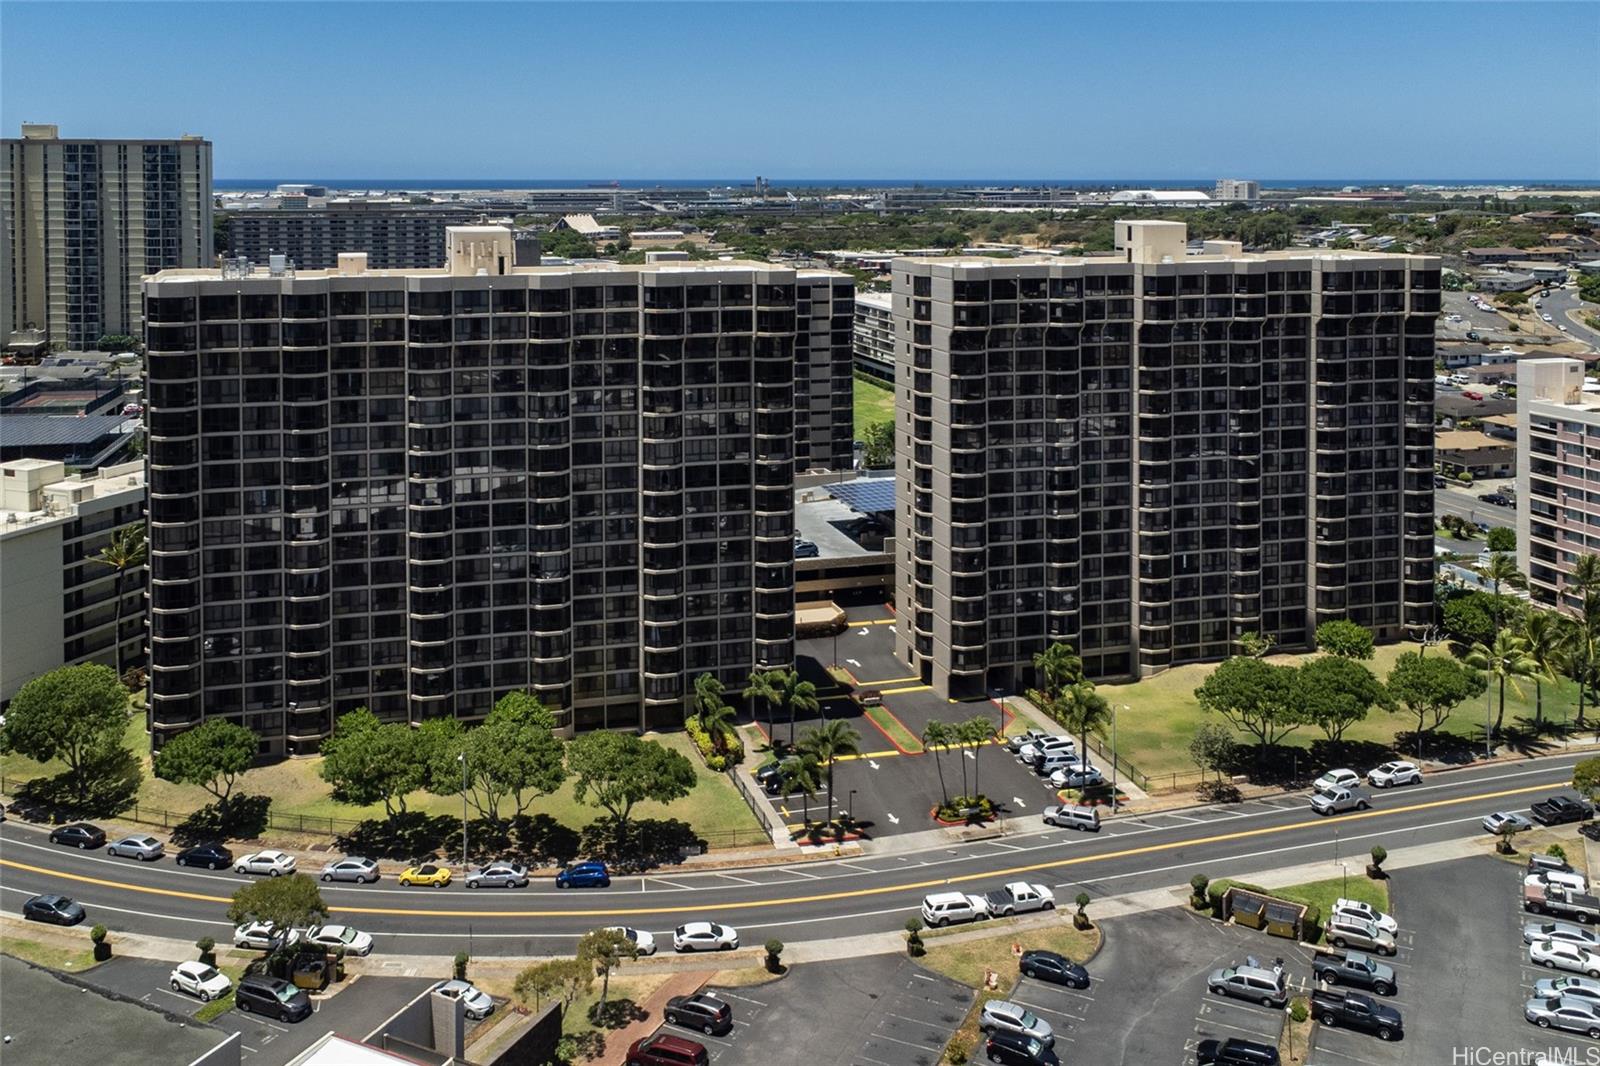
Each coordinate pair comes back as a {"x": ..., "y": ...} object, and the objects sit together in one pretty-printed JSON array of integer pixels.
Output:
[
  {"x": 1073, "y": 815},
  {"x": 942, "y": 908},
  {"x": 1054, "y": 968},
  {"x": 1236, "y": 1052},
  {"x": 1561, "y": 955},
  {"x": 1590, "y": 830},
  {"x": 351, "y": 868},
  {"x": 56, "y": 910},
  {"x": 1576, "y": 987},
  {"x": 700, "y": 1011},
  {"x": 1078, "y": 775},
  {"x": 1345, "y": 931},
  {"x": 664, "y": 1049},
  {"x": 479, "y": 1004},
  {"x": 1335, "y": 800},
  {"x": 211, "y": 855},
  {"x": 334, "y": 937},
  {"x": 1559, "y": 810},
  {"x": 584, "y": 875},
  {"x": 1034, "y": 754},
  {"x": 1500, "y": 821},
  {"x": 1254, "y": 983},
  {"x": 261, "y": 936},
  {"x": 644, "y": 942},
  {"x": 1355, "y": 969},
  {"x": 1015, "y": 744},
  {"x": 704, "y": 936},
  {"x": 1538, "y": 863},
  {"x": 1572, "y": 934},
  {"x": 1018, "y": 1049},
  {"x": 1336, "y": 779},
  {"x": 143, "y": 847},
  {"x": 1018, "y": 897},
  {"x": 1353, "y": 1010},
  {"x": 269, "y": 862},
  {"x": 1496, "y": 498},
  {"x": 1002, "y": 1015},
  {"x": 499, "y": 875},
  {"x": 260, "y": 994},
  {"x": 428, "y": 873},
  {"x": 1566, "y": 880},
  {"x": 1391, "y": 774},
  {"x": 1564, "y": 1012},
  {"x": 197, "y": 979},
  {"x": 78, "y": 835},
  {"x": 805, "y": 549},
  {"x": 1361, "y": 909}
]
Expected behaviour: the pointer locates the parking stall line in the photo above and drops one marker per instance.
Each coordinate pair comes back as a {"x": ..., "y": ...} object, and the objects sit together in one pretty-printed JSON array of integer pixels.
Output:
[
  {"x": 741, "y": 999},
  {"x": 1260, "y": 1012},
  {"x": 1320, "y": 1050},
  {"x": 1201, "y": 1027},
  {"x": 897, "y": 1040},
  {"x": 1046, "y": 1010}
]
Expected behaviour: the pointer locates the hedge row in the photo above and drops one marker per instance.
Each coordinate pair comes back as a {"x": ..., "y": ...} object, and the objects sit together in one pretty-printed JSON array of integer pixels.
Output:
[{"x": 1311, "y": 924}]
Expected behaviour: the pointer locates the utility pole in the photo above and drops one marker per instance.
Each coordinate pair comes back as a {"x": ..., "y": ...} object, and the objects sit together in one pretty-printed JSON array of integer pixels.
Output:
[
  {"x": 1114, "y": 707},
  {"x": 461, "y": 757}
]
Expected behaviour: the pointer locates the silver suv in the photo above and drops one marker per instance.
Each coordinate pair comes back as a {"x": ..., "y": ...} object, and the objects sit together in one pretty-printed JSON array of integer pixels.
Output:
[
  {"x": 1347, "y": 931},
  {"x": 1255, "y": 983}
]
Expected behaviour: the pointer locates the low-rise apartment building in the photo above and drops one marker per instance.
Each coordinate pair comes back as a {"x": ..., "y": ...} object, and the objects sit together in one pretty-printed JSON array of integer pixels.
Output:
[
  {"x": 874, "y": 335},
  {"x": 1558, "y": 477},
  {"x": 58, "y": 603},
  {"x": 1148, "y": 454}
]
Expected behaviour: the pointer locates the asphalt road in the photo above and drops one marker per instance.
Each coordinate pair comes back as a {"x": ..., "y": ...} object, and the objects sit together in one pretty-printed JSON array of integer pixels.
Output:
[
  {"x": 1466, "y": 504},
  {"x": 1562, "y": 300},
  {"x": 813, "y": 901}
]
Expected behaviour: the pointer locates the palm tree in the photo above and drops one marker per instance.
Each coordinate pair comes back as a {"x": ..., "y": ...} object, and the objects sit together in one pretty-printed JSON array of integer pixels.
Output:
[
  {"x": 800, "y": 775},
  {"x": 1586, "y": 573},
  {"x": 826, "y": 743},
  {"x": 935, "y": 738},
  {"x": 127, "y": 551},
  {"x": 976, "y": 731},
  {"x": 1506, "y": 660},
  {"x": 717, "y": 721},
  {"x": 1583, "y": 640},
  {"x": 764, "y": 685},
  {"x": 1059, "y": 665},
  {"x": 1082, "y": 710},
  {"x": 1503, "y": 568},
  {"x": 1542, "y": 633},
  {"x": 708, "y": 693},
  {"x": 798, "y": 695}
]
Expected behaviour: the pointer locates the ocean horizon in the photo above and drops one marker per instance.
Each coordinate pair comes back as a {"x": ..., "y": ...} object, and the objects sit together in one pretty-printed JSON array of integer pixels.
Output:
[{"x": 404, "y": 184}]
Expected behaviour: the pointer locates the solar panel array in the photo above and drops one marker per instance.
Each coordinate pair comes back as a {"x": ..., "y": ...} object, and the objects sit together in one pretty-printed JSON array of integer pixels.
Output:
[{"x": 869, "y": 495}]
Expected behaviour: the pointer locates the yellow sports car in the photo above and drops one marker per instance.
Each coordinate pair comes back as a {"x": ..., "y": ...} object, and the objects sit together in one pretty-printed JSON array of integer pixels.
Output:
[{"x": 426, "y": 874}]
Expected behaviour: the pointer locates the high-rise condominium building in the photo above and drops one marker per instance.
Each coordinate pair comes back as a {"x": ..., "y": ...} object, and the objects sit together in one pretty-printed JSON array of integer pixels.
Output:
[
  {"x": 1236, "y": 189},
  {"x": 393, "y": 236},
  {"x": 86, "y": 220},
  {"x": 418, "y": 490},
  {"x": 1150, "y": 453},
  {"x": 58, "y": 602},
  {"x": 1558, "y": 463},
  {"x": 824, "y": 382}
]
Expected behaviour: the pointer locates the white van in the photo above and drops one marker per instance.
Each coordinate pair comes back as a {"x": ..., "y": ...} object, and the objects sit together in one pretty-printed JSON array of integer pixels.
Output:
[
  {"x": 1061, "y": 759},
  {"x": 1442, "y": 380},
  {"x": 942, "y": 908},
  {"x": 1460, "y": 379},
  {"x": 1073, "y": 816}
]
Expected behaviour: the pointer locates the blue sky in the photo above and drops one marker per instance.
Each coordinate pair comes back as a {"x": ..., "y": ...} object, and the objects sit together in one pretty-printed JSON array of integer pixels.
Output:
[{"x": 806, "y": 90}]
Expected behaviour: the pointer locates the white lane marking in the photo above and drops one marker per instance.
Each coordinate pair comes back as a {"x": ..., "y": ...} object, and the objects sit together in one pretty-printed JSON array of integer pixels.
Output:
[
  {"x": 741, "y": 880},
  {"x": 742, "y": 999},
  {"x": 855, "y": 662},
  {"x": 897, "y": 1040}
]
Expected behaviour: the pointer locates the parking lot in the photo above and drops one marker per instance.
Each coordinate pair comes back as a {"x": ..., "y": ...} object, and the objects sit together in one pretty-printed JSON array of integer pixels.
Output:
[
  {"x": 877, "y": 1011},
  {"x": 887, "y": 789},
  {"x": 360, "y": 1006}
]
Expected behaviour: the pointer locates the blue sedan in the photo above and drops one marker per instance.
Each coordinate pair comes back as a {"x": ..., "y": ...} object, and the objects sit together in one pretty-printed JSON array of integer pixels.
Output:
[{"x": 584, "y": 875}]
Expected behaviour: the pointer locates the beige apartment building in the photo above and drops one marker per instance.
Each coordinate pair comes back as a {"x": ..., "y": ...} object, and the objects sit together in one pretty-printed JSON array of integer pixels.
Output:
[
  {"x": 874, "y": 335},
  {"x": 1149, "y": 453},
  {"x": 85, "y": 221},
  {"x": 417, "y": 490},
  {"x": 1558, "y": 476},
  {"x": 58, "y": 605}
]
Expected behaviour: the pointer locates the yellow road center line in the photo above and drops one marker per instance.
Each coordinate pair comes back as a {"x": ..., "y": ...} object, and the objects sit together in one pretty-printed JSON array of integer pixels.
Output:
[{"x": 823, "y": 897}]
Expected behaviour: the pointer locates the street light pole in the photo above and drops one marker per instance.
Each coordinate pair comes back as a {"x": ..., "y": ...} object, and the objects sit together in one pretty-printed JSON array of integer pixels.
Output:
[
  {"x": 851, "y": 813},
  {"x": 461, "y": 757},
  {"x": 1114, "y": 707},
  {"x": 1488, "y": 738}
]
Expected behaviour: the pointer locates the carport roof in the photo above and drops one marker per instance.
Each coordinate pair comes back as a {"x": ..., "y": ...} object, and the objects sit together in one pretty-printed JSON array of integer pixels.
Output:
[{"x": 869, "y": 495}]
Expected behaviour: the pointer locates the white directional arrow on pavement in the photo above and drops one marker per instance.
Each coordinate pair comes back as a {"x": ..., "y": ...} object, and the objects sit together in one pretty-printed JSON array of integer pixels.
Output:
[
  {"x": 893, "y": 820},
  {"x": 861, "y": 632},
  {"x": 872, "y": 763},
  {"x": 854, "y": 662},
  {"x": 971, "y": 756},
  {"x": 1018, "y": 802}
]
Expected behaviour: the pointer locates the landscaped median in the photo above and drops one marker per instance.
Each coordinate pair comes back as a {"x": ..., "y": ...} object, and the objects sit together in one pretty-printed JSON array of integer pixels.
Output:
[
  {"x": 975, "y": 956},
  {"x": 1316, "y": 896}
]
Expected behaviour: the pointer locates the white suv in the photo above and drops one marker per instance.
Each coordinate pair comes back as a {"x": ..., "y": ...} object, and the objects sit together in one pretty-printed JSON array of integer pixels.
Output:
[{"x": 942, "y": 908}]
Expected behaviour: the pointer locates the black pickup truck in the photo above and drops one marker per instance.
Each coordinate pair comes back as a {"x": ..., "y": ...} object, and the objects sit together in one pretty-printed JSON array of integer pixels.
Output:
[
  {"x": 1558, "y": 810},
  {"x": 1355, "y": 970},
  {"x": 1353, "y": 1010}
]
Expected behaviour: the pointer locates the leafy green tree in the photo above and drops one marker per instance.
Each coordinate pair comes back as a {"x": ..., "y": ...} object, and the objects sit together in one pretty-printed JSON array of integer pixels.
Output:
[
  {"x": 1505, "y": 660},
  {"x": 1255, "y": 697},
  {"x": 367, "y": 761},
  {"x": 1469, "y": 618},
  {"x": 827, "y": 743},
  {"x": 566, "y": 244},
  {"x": 1502, "y": 539},
  {"x": 563, "y": 978},
  {"x": 1586, "y": 777},
  {"x": 118, "y": 342},
  {"x": 1542, "y": 636},
  {"x": 513, "y": 755},
  {"x": 1334, "y": 693},
  {"x": 1212, "y": 748},
  {"x": 937, "y": 738},
  {"x": 287, "y": 902},
  {"x": 605, "y": 949},
  {"x": 1430, "y": 689},
  {"x": 1512, "y": 299},
  {"x": 77, "y": 714},
  {"x": 879, "y": 439},
  {"x": 212, "y": 755},
  {"x": 619, "y": 770},
  {"x": 1256, "y": 645},
  {"x": 1345, "y": 639},
  {"x": 126, "y": 552}
]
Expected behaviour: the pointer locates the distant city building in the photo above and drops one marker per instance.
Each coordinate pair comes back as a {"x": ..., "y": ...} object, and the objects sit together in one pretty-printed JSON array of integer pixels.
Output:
[
  {"x": 1158, "y": 198},
  {"x": 57, "y": 603},
  {"x": 1148, "y": 454},
  {"x": 1235, "y": 189},
  {"x": 395, "y": 236},
  {"x": 874, "y": 335},
  {"x": 85, "y": 220},
  {"x": 1558, "y": 439},
  {"x": 586, "y": 226},
  {"x": 415, "y": 491}
]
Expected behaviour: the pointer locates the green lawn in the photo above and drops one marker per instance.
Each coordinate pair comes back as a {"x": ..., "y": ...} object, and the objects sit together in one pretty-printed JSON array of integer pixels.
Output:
[
  {"x": 1321, "y": 894},
  {"x": 714, "y": 808},
  {"x": 1154, "y": 732},
  {"x": 874, "y": 403},
  {"x": 48, "y": 955}
]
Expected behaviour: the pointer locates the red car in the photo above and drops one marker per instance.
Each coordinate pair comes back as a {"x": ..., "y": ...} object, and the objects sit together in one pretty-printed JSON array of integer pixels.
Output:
[
  {"x": 1472, "y": 395},
  {"x": 665, "y": 1050}
]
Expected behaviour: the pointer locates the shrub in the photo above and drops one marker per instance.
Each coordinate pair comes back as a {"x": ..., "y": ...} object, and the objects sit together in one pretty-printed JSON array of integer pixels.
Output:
[
  {"x": 914, "y": 946},
  {"x": 461, "y": 965},
  {"x": 1556, "y": 851},
  {"x": 1080, "y": 920},
  {"x": 1299, "y": 1011},
  {"x": 957, "y": 1052},
  {"x": 774, "y": 955},
  {"x": 206, "y": 945},
  {"x": 714, "y": 760},
  {"x": 98, "y": 934},
  {"x": 1379, "y": 853},
  {"x": 1198, "y": 884},
  {"x": 102, "y": 947},
  {"x": 960, "y": 807}
]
